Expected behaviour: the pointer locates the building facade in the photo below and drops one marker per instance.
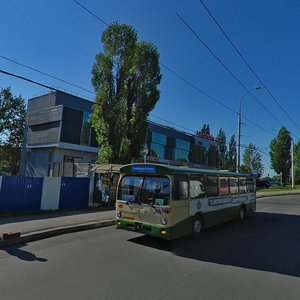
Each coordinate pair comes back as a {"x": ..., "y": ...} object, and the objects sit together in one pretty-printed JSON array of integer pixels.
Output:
[
  {"x": 168, "y": 145},
  {"x": 58, "y": 135}
]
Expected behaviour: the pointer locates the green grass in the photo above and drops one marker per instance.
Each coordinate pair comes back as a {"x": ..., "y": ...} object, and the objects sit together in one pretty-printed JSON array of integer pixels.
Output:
[{"x": 279, "y": 188}]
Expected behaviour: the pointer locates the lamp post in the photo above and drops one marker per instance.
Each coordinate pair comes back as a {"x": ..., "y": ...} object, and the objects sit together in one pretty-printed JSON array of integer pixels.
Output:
[
  {"x": 239, "y": 128},
  {"x": 145, "y": 152}
]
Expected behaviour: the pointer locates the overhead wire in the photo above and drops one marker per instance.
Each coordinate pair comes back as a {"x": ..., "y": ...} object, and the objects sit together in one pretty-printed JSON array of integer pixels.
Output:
[
  {"x": 226, "y": 67},
  {"x": 213, "y": 98},
  {"x": 89, "y": 11},
  {"x": 30, "y": 80},
  {"x": 45, "y": 74},
  {"x": 246, "y": 63}
]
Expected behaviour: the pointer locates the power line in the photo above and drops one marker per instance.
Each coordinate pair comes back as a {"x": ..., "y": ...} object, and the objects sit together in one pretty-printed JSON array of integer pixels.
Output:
[
  {"x": 90, "y": 12},
  {"x": 225, "y": 66},
  {"x": 30, "y": 80},
  {"x": 212, "y": 98},
  {"x": 197, "y": 89},
  {"x": 247, "y": 64},
  {"x": 43, "y": 73},
  {"x": 174, "y": 124}
]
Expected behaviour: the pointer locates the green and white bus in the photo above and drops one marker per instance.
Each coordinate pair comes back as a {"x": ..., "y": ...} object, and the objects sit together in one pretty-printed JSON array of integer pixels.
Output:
[{"x": 169, "y": 202}]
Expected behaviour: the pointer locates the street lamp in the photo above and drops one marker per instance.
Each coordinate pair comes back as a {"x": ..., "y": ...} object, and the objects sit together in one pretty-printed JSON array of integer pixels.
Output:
[{"x": 239, "y": 129}]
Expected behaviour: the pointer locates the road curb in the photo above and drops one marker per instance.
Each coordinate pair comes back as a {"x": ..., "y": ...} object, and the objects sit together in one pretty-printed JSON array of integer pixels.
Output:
[
  {"x": 43, "y": 234},
  {"x": 267, "y": 194}
]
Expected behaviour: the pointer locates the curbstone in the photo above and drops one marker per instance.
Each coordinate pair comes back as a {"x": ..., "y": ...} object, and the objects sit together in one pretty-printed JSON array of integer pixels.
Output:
[{"x": 43, "y": 234}]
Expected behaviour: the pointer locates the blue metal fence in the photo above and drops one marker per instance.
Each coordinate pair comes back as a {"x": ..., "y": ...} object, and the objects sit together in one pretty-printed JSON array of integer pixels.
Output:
[
  {"x": 74, "y": 193},
  {"x": 25, "y": 193}
]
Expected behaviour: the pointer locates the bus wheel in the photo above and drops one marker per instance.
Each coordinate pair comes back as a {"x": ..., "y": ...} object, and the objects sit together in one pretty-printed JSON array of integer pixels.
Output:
[
  {"x": 197, "y": 226},
  {"x": 242, "y": 212}
]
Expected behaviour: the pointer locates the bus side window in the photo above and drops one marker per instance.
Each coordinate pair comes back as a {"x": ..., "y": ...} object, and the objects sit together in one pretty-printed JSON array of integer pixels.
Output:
[
  {"x": 250, "y": 185},
  {"x": 180, "y": 189},
  {"x": 197, "y": 189},
  {"x": 211, "y": 185},
  {"x": 223, "y": 185},
  {"x": 234, "y": 185},
  {"x": 242, "y": 185}
]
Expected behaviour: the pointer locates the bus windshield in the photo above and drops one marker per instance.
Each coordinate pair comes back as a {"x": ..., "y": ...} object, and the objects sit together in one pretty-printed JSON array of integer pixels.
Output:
[{"x": 145, "y": 190}]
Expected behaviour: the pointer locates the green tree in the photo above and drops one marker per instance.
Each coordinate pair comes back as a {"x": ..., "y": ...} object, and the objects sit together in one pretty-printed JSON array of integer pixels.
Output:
[
  {"x": 198, "y": 154},
  {"x": 125, "y": 77},
  {"x": 205, "y": 129},
  {"x": 231, "y": 155},
  {"x": 12, "y": 124},
  {"x": 222, "y": 149},
  {"x": 280, "y": 152},
  {"x": 297, "y": 162},
  {"x": 252, "y": 160}
]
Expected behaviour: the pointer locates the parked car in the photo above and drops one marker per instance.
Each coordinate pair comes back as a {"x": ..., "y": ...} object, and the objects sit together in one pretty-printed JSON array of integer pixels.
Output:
[{"x": 260, "y": 184}]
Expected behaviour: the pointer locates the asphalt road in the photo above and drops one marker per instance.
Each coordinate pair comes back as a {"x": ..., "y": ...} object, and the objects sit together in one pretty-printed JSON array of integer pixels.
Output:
[{"x": 255, "y": 259}]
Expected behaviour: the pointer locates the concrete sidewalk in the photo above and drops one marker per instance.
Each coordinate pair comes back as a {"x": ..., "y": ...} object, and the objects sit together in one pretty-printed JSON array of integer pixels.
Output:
[{"x": 36, "y": 227}]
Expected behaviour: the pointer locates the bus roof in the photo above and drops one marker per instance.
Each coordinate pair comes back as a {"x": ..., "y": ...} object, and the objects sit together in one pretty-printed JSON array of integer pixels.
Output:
[{"x": 147, "y": 168}]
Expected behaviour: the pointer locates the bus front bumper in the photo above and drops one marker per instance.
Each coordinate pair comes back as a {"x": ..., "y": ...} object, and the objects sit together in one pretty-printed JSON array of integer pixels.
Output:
[{"x": 152, "y": 230}]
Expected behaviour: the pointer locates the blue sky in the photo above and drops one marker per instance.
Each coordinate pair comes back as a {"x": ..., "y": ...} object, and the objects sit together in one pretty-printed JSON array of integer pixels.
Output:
[{"x": 61, "y": 39}]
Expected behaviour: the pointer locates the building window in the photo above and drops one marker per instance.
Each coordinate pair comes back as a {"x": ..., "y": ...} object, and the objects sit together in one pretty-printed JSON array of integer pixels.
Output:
[
  {"x": 158, "y": 150},
  {"x": 158, "y": 145},
  {"x": 159, "y": 138},
  {"x": 183, "y": 144},
  {"x": 85, "y": 129},
  {"x": 181, "y": 155},
  {"x": 182, "y": 149}
]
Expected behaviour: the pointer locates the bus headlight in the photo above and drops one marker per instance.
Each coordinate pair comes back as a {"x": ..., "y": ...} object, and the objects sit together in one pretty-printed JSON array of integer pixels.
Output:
[
  {"x": 163, "y": 221},
  {"x": 119, "y": 214}
]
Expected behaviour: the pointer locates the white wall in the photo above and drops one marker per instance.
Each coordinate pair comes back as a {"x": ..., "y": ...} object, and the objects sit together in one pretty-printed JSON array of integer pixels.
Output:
[{"x": 51, "y": 192}]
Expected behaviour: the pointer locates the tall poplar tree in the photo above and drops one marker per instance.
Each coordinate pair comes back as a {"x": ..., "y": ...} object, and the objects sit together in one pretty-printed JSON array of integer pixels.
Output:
[
  {"x": 125, "y": 77},
  {"x": 231, "y": 155},
  {"x": 205, "y": 129},
  {"x": 280, "y": 152},
  {"x": 297, "y": 162},
  {"x": 252, "y": 160},
  {"x": 222, "y": 149}
]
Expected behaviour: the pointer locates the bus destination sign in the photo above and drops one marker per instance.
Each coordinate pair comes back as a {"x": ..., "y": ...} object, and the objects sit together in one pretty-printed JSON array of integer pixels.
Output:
[{"x": 143, "y": 169}]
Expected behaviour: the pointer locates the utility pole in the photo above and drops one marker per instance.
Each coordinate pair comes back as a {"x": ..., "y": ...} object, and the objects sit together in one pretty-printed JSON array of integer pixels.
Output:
[
  {"x": 292, "y": 171},
  {"x": 238, "y": 161}
]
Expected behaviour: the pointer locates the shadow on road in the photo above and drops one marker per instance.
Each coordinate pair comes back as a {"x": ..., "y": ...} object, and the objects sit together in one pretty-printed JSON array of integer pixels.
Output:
[
  {"x": 265, "y": 241},
  {"x": 23, "y": 254}
]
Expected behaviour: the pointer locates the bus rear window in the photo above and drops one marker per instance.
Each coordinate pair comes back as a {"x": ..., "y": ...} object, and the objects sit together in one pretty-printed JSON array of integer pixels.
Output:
[{"x": 145, "y": 190}]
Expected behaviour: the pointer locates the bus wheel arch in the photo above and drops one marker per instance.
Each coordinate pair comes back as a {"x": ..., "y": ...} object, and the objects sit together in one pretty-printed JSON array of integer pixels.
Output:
[
  {"x": 242, "y": 212},
  {"x": 197, "y": 225}
]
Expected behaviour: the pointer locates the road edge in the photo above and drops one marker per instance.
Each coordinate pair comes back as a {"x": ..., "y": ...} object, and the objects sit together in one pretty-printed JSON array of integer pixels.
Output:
[{"x": 43, "y": 234}]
